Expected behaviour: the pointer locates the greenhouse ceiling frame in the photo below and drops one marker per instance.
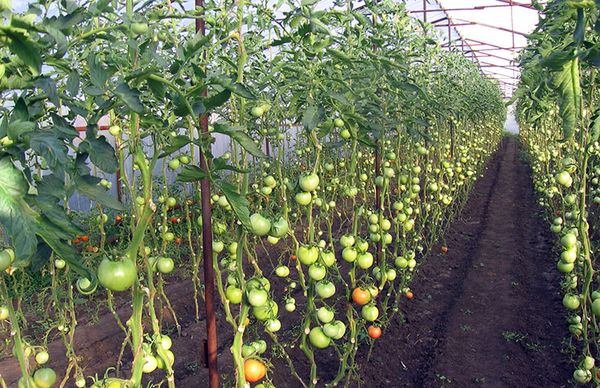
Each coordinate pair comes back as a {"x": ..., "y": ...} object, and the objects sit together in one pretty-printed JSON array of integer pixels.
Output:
[{"x": 479, "y": 50}]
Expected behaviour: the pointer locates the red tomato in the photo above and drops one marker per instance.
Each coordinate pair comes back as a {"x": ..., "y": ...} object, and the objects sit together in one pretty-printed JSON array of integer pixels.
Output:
[
  {"x": 374, "y": 332},
  {"x": 361, "y": 296},
  {"x": 254, "y": 370}
]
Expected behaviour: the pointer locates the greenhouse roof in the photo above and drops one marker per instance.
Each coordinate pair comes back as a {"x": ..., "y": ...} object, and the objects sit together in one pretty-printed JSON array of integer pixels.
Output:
[{"x": 490, "y": 32}]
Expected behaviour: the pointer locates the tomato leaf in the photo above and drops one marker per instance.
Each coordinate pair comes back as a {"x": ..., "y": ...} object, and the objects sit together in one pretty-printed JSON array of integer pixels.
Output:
[
  {"x": 47, "y": 145},
  {"x": 101, "y": 153},
  {"x": 239, "y": 135},
  {"x": 217, "y": 100},
  {"x": 238, "y": 202},
  {"x": 24, "y": 48},
  {"x": 88, "y": 186},
  {"x": 131, "y": 97},
  {"x": 312, "y": 117},
  {"x": 17, "y": 218},
  {"x": 191, "y": 174},
  {"x": 98, "y": 74},
  {"x": 176, "y": 144}
]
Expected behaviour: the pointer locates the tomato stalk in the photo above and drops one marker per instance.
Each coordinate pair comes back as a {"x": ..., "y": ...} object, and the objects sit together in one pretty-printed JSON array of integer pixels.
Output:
[{"x": 15, "y": 331}]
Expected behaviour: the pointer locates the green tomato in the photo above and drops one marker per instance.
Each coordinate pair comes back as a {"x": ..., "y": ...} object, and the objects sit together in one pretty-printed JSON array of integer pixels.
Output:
[
  {"x": 565, "y": 267},
  {"x": 582, "y": 376},
  {"x": 349, "y": 254},
  {"x": 564, "y": 179},
  {"x": 273, "y": 325},
  {"x": 59, "y": 263},
  {"x": 370, "y": 312},
  {"x": 331, "y": 329},
  {"x": 42, "y": 357},
  {"x": 347, "y": 241},
  {"x": 328, "y": 258},
  {"x": 4, "y": 313},
  {"x": 338, "y": 123},
  {"x": 325, "y": 315},
  {"x": 309, "y": 182},
  {"x": 317, "y": 272},
  {"x": 117, "y": 275},
  {"x": 233, "y": 294},
  {"x": 114, "y": 130},
  {"x": 341, "y": 329},
  {"x": 259, "y": 224},
  {"x": 569, "y": 256},
  {"x": 267, "y": 311},
  {"x": 365, "y": 260},
  {"x": 257, "y": 297},
  {"x": 282, "y": 271},
  {"x": 150, "y": 364},
  {"x": 184, "y": 159},
  {"x": 318, "y": 338},
  {"x": 171, "y": 202},
  {"x": 571, "y": 302},
  {"x": 596, "y": 307},
  {"x": 308, "y": 255},
  {"x": 279, "y": 228},
  {"x": 362, "y": 246},
  {"x": 248, "y": 350},
  {"x": 7, "y": 256},
  {"x": 218, "y": 246},
  {"x": 303, "y": 198},
  {"x": 325, "y": 289},
  {"x": 174, "y": 164},
  {"x": 260, "y": 346},
  {"x": 139, "y": 28},
  {"x": 257, "y": 111},
  {"x": 345, "y": 134},
  {"x": 588, "y": 362},
  {"x": 165, "y": 265},
  {"x": 270, "y": 181},
  {"x": 44, "y": 377}
]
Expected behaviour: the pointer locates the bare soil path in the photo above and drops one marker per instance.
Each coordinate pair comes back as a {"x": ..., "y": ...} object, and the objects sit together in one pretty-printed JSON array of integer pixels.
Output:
[{"x": 487, "y": 313}]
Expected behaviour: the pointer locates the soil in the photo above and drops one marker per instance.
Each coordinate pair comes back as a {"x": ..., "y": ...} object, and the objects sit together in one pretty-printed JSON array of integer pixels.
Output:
[{"x": 488, "y": 312}]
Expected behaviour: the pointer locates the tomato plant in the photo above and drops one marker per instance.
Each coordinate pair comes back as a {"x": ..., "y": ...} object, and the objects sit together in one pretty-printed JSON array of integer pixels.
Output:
[
  {"x": 557, "y": 110},
  {"x": 352, "y": 139}
]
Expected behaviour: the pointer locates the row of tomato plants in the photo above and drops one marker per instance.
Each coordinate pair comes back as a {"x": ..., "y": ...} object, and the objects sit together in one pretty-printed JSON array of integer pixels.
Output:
[
  {"x": 353, "y": 140},
  {"x": 558, "y": 114}
]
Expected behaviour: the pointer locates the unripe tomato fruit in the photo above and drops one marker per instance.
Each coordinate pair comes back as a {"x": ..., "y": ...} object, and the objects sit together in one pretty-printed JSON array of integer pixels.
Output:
[
  {"x": 139, "y": 28},
  {"x": 165, "y": 265},
  {"x": 309, "y": 182},
  {"x": 42, "y": 357},
  {"x": 4, "y": 314},
  {"x": 44, "y": 377},
  {"x": 318, "y": 338},
  {"x": 117, "y": 275}
]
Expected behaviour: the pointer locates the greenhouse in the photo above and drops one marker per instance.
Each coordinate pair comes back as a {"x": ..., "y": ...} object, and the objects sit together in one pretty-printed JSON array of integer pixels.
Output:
[{"x": 313, "y": 193}]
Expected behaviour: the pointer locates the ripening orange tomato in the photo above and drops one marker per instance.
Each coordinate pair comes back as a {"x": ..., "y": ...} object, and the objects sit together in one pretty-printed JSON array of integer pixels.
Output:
[
  {"x": 178, "y": 240},
  {"x": 254, "y": 370},
  {"x": 85, "y": 238},
  {"x": 293, "y": 257},
  {"x": 361, "y": 296},
  {"x": 444, "y": 249},
  {"x": 409, "y": 295},
  {"x": 374, "y": 332}
]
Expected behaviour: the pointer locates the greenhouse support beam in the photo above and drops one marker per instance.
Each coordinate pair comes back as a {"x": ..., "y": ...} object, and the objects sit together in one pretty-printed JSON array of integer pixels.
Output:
[{"x": 207, "y": 248}]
